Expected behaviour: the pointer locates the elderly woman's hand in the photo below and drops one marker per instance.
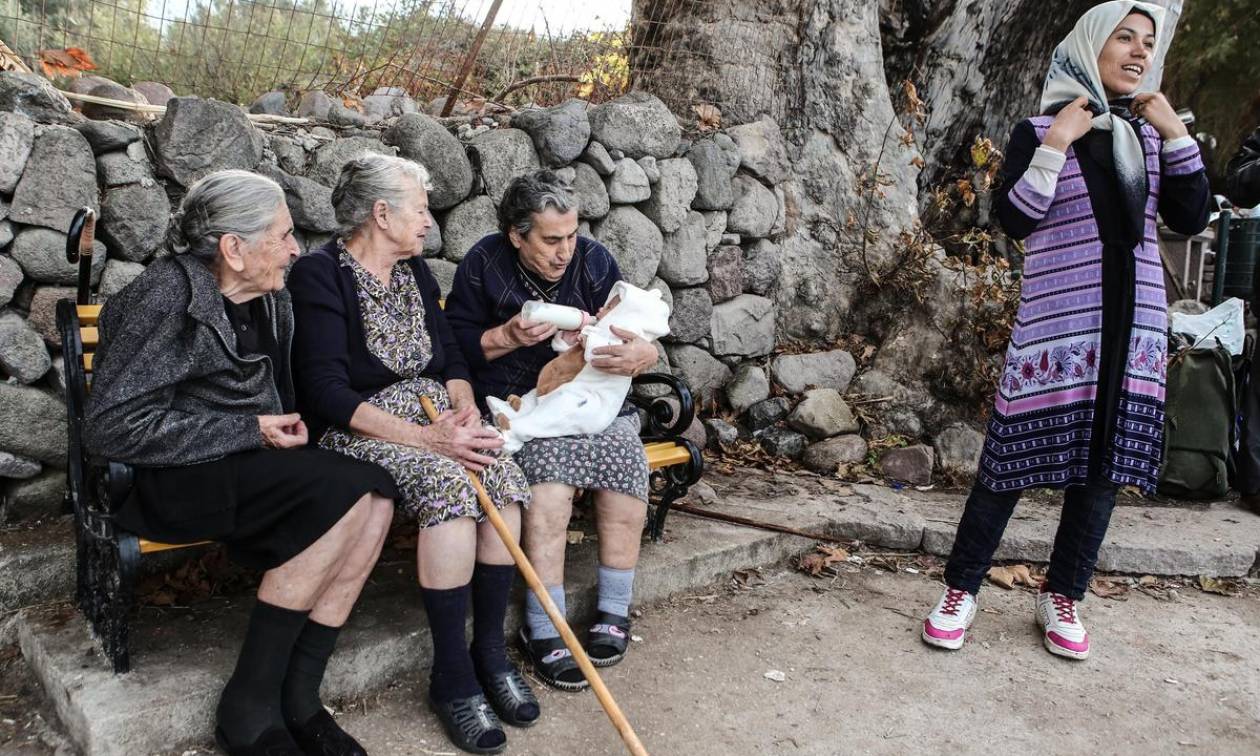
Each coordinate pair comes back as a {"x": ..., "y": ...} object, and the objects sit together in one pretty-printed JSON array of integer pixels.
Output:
[
  {"x": 283, "y": 431},
  {"x": 454, "y": 436},
  {"x": 520, "y": 332},
  {"x": 636, "y": 355},
  {"x": 462, "y": 397}
]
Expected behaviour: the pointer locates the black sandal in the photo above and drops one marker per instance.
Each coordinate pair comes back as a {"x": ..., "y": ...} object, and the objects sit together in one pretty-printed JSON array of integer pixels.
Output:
[
  {"x": 321, "y": 734},
  {"x": 608, "y": 639},
  {"x": 511, "y": 697},
  {"x": 554, "y": 663},
  {"x": 467, "y": 721},
  {"x": 273, "y": 742}
]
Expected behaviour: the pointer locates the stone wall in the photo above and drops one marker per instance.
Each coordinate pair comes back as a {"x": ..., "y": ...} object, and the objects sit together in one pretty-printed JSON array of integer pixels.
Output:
[
  {"x": 696, "y": 217},
  {"x": 701, "y": 217}
]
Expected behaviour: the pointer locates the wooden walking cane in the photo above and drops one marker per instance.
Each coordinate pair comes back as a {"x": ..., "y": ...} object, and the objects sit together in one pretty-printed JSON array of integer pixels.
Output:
[{"x": 535, "y": 584}]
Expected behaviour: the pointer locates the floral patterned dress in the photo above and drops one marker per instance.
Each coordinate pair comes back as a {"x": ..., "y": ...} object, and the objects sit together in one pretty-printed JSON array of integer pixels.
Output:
[{"x": 435, "y": 488}]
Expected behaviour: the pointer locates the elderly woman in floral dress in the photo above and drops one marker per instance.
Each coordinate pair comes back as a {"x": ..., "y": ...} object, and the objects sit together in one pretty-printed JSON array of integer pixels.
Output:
[{"x": 371, "y": 341}]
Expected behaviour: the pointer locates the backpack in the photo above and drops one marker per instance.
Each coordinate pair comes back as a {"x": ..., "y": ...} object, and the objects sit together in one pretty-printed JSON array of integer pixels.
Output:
[{"x": 1199, "y": 427}]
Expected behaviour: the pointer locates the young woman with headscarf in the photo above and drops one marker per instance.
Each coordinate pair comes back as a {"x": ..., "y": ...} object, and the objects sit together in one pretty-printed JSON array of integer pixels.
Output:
[{"x": 1080, "y": 404}]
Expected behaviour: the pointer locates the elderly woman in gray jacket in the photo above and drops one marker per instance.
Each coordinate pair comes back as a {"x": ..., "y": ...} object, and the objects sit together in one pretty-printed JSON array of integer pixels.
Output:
[{"x": 192, "y": 386}]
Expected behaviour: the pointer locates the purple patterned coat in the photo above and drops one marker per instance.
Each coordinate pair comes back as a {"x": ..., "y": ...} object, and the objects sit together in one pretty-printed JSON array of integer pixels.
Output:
[{"x": 1039, "y": 433}]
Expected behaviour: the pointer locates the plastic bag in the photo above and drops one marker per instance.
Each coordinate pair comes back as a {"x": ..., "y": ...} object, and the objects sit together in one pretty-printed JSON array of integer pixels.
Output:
[{"x": 1224, "y": 322}]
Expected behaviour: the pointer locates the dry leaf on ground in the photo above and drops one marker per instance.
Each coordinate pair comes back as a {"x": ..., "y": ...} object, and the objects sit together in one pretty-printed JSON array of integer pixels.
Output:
[
  {"x": 821, "y": 559},
  {"x": 1108, "y": 589},
  {"x": 1218, "y": 586},
  {"x": 1010, "y": 576},
  {"x": 747, "y": 578}
]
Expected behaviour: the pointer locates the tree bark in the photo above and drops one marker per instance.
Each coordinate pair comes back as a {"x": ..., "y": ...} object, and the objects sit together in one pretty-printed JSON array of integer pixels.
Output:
[
  {"x": 978, "y": 66},
  {"x": 816, "y": 68}
]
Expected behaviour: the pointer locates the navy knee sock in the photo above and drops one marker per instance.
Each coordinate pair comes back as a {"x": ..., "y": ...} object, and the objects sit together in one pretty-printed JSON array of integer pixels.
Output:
[
  {"x": 491, "y": 584},
  {"x": 452, "y": 675}
]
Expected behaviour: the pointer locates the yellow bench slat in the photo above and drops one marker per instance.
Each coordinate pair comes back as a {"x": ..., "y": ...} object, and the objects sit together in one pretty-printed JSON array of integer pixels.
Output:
[
  {"x": 90, "y": 337},
  {"x": 88, "y": 314},
  {"x": 152, "y": 547},
  {"x": 665, "y": 457},
  {"x": 87, "y": 361}
]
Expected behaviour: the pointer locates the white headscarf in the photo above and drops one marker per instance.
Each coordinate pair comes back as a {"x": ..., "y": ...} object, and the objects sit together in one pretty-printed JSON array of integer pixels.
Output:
[{"x": 1074, "y": 73}]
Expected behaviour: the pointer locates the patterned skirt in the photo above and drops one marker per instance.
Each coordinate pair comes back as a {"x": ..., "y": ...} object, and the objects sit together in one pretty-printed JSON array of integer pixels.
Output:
[
  {"x": 434, "y": 488},
  {"x": 610, "y": 461}
]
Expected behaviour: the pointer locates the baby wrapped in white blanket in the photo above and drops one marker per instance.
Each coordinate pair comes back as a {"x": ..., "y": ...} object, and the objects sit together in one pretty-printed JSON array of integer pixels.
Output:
[{"x": 590, "y": 401}]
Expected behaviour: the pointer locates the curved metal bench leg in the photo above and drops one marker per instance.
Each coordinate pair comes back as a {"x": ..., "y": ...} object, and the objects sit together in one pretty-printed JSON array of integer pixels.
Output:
[
  {"x": 668, "y": 497},
  {"x": 677, "y": 479},
  {"x": 122, "y": 564}
]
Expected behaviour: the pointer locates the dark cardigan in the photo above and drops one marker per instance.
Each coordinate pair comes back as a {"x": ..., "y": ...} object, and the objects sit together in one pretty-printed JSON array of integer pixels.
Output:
[
  {"x": 332, "y": 367},
  {"x": 488, "y": 292},
  {"x": 169, "y": 386}
]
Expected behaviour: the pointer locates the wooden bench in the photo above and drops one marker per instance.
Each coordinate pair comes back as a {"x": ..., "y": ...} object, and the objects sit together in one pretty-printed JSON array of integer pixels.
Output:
[{"x": 108, "y": 556}]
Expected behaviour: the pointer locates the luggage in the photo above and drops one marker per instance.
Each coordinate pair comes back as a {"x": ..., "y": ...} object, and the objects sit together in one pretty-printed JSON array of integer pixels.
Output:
[{"x": 1201, "y": 409}]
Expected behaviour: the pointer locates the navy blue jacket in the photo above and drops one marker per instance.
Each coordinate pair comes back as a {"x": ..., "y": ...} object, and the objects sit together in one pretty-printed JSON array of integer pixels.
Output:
[
  {"x": 488, "y": 292},
  {"x": 333, "y": 370}
]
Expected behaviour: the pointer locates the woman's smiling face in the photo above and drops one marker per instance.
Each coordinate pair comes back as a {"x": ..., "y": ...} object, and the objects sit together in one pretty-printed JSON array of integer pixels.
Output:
[{"x": 1127, "y": 55}]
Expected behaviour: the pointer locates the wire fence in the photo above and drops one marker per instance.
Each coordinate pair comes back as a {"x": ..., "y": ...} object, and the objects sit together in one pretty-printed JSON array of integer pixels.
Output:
[{"x": 485, "y": 51}]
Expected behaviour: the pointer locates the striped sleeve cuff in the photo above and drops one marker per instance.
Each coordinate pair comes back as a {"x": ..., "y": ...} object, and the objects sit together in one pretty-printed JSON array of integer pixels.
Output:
[
  {"x": 1182, "y": 161},
  {"x": 1025, "y": 197}
]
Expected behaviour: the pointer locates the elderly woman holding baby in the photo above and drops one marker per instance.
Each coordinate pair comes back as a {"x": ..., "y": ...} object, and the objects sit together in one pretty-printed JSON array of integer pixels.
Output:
[
  {"x": 370, "y": 343},
  {"x": 538, "y": 255}
]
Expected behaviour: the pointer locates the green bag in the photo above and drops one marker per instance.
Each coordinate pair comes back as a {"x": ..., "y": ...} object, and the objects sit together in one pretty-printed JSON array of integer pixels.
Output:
[{"x": 1200, "y": 408}]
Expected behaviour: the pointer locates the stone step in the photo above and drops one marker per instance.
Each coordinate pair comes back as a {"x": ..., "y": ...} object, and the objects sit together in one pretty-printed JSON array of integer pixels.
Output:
[
  {"x": 36, "y": 563},
  {"x": 1218, "y": 539},
  {"x": 181, "y": 657}
]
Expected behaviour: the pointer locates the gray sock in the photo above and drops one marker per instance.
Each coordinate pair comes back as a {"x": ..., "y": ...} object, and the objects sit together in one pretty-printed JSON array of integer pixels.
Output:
[
  {"x": 540, "y": 626},
  {"x": 615, "y": 590}
]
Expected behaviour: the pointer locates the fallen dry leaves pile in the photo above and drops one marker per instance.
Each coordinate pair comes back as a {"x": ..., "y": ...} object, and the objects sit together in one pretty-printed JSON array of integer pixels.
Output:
[{"x": 205, "y": 575}]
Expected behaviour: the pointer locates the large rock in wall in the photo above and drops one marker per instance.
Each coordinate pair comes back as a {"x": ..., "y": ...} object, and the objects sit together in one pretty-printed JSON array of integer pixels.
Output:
[{"x": 198, "y": 136}]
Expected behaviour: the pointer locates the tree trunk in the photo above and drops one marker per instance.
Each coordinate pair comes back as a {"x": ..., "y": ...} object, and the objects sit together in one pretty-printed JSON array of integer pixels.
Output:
[
  {"x": 816, "y": 68},
  {"x": 978, "y": 65}
]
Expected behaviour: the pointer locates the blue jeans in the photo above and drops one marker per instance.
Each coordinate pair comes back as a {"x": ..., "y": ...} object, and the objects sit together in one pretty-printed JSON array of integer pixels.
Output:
[{"x": 1082, "y": 527}]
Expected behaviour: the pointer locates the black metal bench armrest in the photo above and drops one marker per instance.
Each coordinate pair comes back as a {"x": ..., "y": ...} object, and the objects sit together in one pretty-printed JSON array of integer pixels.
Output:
[
  {"x": 663, "y": 418},
  {"x": 112, "y": 482}
]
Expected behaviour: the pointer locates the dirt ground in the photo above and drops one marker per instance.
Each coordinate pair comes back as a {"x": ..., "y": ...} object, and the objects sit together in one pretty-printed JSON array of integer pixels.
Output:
[
  {"x": 1170, "y": 674},
  {"x": 1174, "y": 670}
]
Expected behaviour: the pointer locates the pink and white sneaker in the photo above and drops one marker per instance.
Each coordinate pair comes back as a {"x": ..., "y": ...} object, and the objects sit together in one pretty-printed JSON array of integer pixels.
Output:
[
  {"x": 1061, "y": 626},
  {"x": 946, "y": 627}
]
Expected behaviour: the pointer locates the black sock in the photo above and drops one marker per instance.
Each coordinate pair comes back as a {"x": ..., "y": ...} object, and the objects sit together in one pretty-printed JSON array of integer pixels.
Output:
[
  {"x": 300, "y": 693},
  {"x": 250, "y": 704},
  {"x": 490, "y": 587},
  {"x": 453, "y": 675}
]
